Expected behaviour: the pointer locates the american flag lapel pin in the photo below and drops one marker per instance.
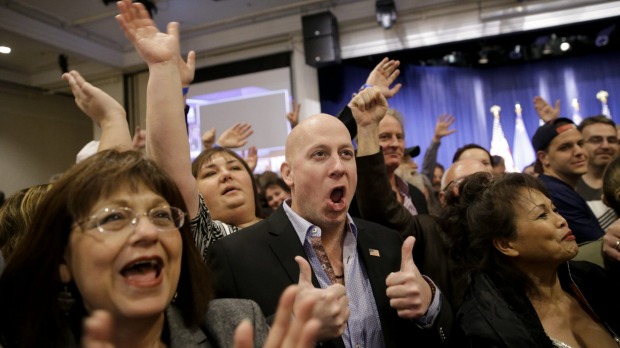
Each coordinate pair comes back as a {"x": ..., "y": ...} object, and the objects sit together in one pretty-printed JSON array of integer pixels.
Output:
[{"x": 374, "y": 252}]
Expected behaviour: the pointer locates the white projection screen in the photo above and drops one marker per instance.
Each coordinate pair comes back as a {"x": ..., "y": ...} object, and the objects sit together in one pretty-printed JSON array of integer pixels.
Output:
[
  {"x": 265, "y": 112},
  {"x": 261, "y": 99}
]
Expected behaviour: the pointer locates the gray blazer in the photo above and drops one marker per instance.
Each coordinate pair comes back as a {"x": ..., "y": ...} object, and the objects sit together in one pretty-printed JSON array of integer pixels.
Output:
[{"x": 218, "y": 327}]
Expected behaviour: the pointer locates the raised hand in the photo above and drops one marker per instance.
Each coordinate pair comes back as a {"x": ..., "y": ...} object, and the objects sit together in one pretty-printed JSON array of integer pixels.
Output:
[
  {"x": 332, "y": 304},
  {"x": 251, "y": 157},
  {"x": 235, "y": 136},
  {"x": 545, "y": 111},
  {"x": 167, "y": 139},
  {"x": 368, "y": 107},
  {"x": 293, "y": 115},
  {"x": 444, "y": 121},
  {"x": 97, "y": 330},
  {"x": 286, "y": 332},
  {"x": 187, "y": 68},
  {"x": 94, "y": 102},
  {"x": 383, "y": 75},
  {"x": 139, "y": 138},
  {"x": 408, "y": 291},
  {"x": 106, "y": 112},
  {"x": 152, "y": 45},
  {"x": 208, "y": 138}
]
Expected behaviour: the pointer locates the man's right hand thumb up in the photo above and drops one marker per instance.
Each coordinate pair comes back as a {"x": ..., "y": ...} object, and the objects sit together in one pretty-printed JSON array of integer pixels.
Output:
[{"x": 332, "y": 304}]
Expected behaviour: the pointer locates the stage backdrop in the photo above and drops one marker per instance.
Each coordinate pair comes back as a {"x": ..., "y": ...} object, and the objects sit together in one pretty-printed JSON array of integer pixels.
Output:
[{"x": 469, "y": 94}]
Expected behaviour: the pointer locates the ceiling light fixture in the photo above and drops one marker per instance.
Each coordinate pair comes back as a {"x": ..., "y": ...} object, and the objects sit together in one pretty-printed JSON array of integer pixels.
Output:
[
  {"x": 516, "y": 53},
  {"x": 386, "y": 13},
  {"x": 455, "y": 58},
  {"x": 602, "y": 39},
  {"x": 484, "y": 59},
  {"x": 5, "y": 49},
  {"x": 552, "y": 46}
]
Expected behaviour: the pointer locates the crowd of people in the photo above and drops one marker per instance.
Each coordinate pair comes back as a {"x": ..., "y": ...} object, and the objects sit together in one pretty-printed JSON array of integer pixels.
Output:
[{"x": 344, "y": 247}]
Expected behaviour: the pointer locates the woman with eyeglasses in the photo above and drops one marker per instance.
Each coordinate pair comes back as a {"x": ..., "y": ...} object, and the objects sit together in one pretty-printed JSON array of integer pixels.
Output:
[
  {"x": 112, "y": 235},
  {"x": 523, "y": 289}
]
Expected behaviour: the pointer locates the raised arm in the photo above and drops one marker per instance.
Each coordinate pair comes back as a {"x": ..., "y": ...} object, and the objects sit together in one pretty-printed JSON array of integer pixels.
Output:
[
  {"x": 381, "y": 77},
  {"x": 442, "y": 129},
  {"x": 368, "y": 108},
  {"x": 236, "y": 136},
  {"x": 545, "y": 111},
  {"x": 167, "y": 140},
  {"x": 293, "y": 115},
  {"x": 104, "y": 110},
  {"x": 384, "y": 75},
  {"x": 374, "y": 195}
]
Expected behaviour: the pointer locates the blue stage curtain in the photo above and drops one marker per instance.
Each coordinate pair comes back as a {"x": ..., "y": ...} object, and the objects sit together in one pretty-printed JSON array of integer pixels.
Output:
[{"x": 469, "y": 93}]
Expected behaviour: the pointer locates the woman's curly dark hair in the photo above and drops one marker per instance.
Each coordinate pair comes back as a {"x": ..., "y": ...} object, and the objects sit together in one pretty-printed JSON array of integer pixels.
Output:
[{"x": 480, "y": 212}]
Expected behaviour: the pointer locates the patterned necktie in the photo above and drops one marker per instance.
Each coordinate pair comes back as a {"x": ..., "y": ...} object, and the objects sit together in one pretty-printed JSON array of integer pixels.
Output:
[{"x": 321, "y": 254}]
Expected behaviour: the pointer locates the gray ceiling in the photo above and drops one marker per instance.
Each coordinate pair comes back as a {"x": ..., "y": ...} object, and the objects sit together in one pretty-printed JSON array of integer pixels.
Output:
[{"x": 85, "y": 30}]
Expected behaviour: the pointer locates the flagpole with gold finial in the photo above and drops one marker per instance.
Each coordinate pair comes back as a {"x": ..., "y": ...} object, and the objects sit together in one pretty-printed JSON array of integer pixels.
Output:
[
  {"x": 495, "y": 109},
  {"x": 602, "y": 97},
  {"x": 522, "y": 151},
  {"x": 499, "y": 144}
]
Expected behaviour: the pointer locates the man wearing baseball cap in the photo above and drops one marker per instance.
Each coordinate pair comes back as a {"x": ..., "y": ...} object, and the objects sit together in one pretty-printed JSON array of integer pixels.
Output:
[{"x": 561, "y": 161}]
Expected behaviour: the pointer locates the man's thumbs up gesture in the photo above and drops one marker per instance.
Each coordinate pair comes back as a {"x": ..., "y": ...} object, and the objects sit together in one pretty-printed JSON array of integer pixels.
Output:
[
  {"x": 408, "y": 291},
  {"x": 332, "y": 304}
]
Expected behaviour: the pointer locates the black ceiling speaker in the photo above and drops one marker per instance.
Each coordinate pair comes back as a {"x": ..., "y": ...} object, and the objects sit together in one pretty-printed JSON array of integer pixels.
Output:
[{"x": 321, "y": 39}]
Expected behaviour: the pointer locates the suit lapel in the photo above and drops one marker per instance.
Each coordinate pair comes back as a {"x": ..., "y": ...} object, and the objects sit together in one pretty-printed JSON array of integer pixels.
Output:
[
  {"x": 285, "y": 244},
  {"x": 376, "y": 269}
]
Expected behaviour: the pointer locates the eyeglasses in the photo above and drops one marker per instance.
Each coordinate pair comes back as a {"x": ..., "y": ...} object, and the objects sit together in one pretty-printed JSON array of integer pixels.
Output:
[
  {"x": 597, "y": 140},
  {"x": 116, "y": 219}
]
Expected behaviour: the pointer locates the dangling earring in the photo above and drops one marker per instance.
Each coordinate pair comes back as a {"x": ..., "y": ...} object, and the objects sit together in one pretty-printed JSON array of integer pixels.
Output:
[
  {"x": 65, "y": 300},
  {"x": 174, "y": 298}
]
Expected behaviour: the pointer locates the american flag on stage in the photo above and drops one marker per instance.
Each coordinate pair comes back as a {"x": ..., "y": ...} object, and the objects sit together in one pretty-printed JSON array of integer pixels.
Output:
[
  {"x": 602, "y": 96},
  {"x": 499, "y": 144},
  {"x": 524, "y": 153}
]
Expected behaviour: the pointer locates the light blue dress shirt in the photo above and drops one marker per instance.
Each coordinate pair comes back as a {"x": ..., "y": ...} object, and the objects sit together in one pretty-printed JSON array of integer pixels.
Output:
[{"x": 364, "y": 325}]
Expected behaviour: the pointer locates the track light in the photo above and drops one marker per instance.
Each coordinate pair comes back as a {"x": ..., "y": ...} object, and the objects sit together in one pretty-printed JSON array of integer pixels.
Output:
[
  {"x": 484, "y": 59},
  {"x": 454, "y": 58},
  {"x": 386, "y": 13},
  {"x": 602, "y": 39},
  {"x": 552, "y": 46},
  {"x": 516, "y": 53}
]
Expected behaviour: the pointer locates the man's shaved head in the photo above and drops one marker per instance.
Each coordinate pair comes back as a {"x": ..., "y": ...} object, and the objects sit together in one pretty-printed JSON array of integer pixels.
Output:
[
  {"x": 320, "y": 169},
  {"x": 306, "y": 129}
]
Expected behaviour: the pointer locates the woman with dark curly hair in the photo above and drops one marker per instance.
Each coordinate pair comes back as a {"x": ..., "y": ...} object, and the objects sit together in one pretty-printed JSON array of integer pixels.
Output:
[{"x": 523, "y": 289}]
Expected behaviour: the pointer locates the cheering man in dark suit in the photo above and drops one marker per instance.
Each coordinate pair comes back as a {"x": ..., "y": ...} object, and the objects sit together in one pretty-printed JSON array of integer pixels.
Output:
[{"x": 371, "y": 292}]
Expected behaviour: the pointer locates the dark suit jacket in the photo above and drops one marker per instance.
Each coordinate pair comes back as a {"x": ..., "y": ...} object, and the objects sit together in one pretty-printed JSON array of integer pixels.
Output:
[
  {"x": 431, "y": 247},
  {"x": 258, "y": 263}
]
